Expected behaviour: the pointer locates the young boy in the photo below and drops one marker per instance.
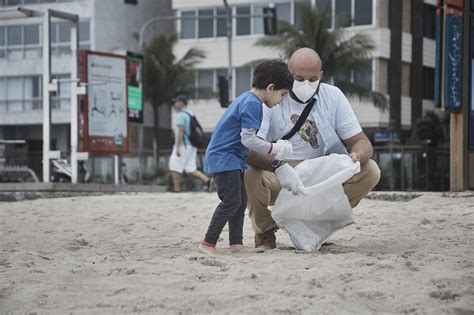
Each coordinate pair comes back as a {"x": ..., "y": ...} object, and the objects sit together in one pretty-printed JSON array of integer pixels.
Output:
[{"x": 233, "y": 136}]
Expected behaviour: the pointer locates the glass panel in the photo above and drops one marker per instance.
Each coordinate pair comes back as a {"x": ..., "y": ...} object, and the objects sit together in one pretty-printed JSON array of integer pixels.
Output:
[
  {"x": 221, "y": 23},
  {"x": 322, "y": 5},
  {"x": 205, "y": 82},
  {"x": 428, "y": 83},
  {"x": 84, "y": 31},
  {"x": 64, "y": 32},
  {"x": 31, "y": 1},
  {"x": 3, "y": 91},
  {"x": 301, "y": 6},
  {"x": 14, "y": 35},
  {"x": 243, "y": 23},
  {"x": 258, "y": 21},
  {"x": 14, "y": 2},
  {"x": 406, "y": 68},
  {"x": 14, "y": 88},
  {"x": 3, "y": 53},
  {"x": 429, "y": 26},
  {"x": 363, "y": 12},
  {"x": 188, "y": 24},
  {"x": 206, "y": 25},
  {"x": 2, "y": 36},
  {"x": 54, "y": 32},
  {"x": 28, "y": 87},
  {"x": 31, "y": 34},
  {"x": 283, "y": 12},
  {"x": 242, "y": 80},
  {"x": 365, "y": 79},
  {"x": 343, "y": 12}
]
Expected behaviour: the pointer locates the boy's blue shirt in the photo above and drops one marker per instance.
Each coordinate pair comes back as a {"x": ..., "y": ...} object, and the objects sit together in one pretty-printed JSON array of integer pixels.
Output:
[{"x": 225, "y": 151}]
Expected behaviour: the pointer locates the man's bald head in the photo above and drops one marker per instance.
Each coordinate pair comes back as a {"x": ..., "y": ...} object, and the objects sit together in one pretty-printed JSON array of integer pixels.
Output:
[{"x": 305, "y": 63}]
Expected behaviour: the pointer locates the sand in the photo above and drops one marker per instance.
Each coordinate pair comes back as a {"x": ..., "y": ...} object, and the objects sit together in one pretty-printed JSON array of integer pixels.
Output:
[{"x": 137, "y": 253}]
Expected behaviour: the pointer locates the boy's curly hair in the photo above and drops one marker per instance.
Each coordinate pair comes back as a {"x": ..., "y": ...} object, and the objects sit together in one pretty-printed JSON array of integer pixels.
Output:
[{"x": 272, "y": 71}]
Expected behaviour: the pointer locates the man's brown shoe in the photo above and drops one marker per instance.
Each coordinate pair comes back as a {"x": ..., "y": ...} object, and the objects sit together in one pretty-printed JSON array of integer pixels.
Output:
[{"x": 266, "y": 240}]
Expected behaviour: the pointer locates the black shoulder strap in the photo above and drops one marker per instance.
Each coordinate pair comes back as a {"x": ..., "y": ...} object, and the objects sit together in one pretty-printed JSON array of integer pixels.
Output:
[
  {"x": 191, "y": 116},
  {"x": 301, "y": 120}
]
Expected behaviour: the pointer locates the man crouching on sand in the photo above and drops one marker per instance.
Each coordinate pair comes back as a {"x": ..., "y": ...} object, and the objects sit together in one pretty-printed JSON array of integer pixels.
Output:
[{"x": 330, "y": 120}]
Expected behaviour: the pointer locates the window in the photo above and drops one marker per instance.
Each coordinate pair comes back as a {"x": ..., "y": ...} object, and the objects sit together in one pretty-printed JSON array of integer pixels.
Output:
[
  {"x": 362, "y": 12},
  {"x": 364, "y": 78},
  {"x": 429, "y": 25},
  {"x": 205, "y": 83},
  {"x": 14, "y": 35},
  {"x": 406, "y": 81},
  {"x": 343, "y": 12},
  {"x": 188, "y": 24},
  {"x": 221, "y": 23},
  {"x": 243, "y": 23},
  {"x": 322, "y": 5},
  {"x": 206, "y": 25},
  {"x": 283, "y": 11},
  {"x": 258, "y": 21},
  {"x": 428, "y": 83},
  {"x": 31, "y": 34},
  {"x": 301, "y": 6},
  {"x": 242, "y": 80},
  {"x": 2, "y": 36},
  {"x": 135, "y": 2},
  {"x": 2, "y": 42},
  {"x": 84, "y": 31}
]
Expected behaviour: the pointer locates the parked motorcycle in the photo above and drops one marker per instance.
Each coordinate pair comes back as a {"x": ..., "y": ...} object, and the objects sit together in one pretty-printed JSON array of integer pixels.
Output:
[{"x": 61, "y": 171}]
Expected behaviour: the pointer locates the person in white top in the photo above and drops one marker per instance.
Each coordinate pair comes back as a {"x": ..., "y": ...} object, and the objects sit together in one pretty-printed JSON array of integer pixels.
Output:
[{"x": 330, "y": 127}]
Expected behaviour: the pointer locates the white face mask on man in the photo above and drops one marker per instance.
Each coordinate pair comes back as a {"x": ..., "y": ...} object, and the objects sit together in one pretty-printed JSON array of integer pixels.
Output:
[{"x": 304, "y": 90}]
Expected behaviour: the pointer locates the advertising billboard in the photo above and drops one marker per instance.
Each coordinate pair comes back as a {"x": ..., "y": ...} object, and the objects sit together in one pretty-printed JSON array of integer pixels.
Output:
[
  {"x": 453, "y": 59},
  {"x": 135, "y": 86},
  {"x": 105, "y": 112}
]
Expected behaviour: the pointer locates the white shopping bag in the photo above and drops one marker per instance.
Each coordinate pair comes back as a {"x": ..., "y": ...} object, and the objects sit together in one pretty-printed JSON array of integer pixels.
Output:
[{"x": 310, "y": 219}]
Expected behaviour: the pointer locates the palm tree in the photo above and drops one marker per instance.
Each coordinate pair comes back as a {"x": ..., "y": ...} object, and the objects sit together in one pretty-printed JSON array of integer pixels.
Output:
[
  {"x": 164, "y": 77},
  {"x": 341, "y": 55}
]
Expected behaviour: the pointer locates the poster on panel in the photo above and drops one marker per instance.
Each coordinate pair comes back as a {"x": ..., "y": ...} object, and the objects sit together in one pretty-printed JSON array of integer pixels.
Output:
[
  {"x": 106, "y": 114},
  {"x": 453, "y": 59}
]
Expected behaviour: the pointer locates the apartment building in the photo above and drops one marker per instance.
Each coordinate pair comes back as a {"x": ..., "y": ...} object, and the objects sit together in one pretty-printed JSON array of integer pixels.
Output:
[
  {"x": 402, "y": 64},
  {"x": 105, "y": 25}
]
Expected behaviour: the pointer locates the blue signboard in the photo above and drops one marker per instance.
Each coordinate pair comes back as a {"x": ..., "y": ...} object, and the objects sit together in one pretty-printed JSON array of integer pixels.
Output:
[
  {"x": 471, "y": 78},
  {"x": 386, "y": 136},
  {"x": 453, "y": 60}
]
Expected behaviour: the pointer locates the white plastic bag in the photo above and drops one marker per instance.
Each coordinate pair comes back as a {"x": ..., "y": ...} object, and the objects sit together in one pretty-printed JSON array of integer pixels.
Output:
[{"x": 311, "y": 219}]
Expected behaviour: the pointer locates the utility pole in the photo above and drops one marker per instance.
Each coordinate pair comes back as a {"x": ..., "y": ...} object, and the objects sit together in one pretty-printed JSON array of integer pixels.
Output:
[{"x": 229, "y": 45}]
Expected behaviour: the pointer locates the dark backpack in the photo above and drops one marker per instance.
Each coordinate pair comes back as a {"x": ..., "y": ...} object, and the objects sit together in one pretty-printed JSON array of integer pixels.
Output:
[{"x": 196, "y": 136}]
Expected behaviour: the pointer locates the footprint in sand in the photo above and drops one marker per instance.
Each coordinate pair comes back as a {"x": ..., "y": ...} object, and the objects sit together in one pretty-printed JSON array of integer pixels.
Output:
[{"x": 444, "y": 295}]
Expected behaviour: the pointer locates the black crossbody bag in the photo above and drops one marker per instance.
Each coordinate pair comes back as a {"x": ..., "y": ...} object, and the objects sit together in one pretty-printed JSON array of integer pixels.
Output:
[{"x": 302, "y": 118}]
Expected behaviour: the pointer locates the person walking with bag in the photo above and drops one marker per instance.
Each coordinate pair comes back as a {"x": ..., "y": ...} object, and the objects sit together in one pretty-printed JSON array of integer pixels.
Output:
[{"x": 184, "y": 154}]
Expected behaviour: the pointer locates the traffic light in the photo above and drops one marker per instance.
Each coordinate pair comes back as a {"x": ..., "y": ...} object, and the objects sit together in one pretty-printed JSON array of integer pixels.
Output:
[
  {"x": 270, "y": 21},
  {"x": 224, "y": 91}
]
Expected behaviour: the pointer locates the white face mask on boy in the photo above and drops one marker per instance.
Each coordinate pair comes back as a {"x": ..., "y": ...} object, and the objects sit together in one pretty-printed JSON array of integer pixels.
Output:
[{"x": 304, "y": 90}]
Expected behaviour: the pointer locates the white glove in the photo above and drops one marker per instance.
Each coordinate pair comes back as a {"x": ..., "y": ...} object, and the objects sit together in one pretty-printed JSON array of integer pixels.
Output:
[
  {"x": 282, "y": 149},
  {"x": 289, "y": 179}
]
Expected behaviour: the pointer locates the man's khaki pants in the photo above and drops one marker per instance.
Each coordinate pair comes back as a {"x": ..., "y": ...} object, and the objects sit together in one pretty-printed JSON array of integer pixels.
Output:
[{"x": 263, "y": 189}]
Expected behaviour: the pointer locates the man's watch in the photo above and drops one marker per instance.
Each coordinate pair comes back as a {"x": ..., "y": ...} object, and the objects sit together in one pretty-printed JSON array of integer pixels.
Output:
[{"x": 277, "y": 163}]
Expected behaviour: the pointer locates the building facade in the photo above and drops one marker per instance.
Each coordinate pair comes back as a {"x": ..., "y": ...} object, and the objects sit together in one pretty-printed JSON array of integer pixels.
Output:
[
  {"x": 402, "y": 64},
  {"x": 105, "y": 25}
]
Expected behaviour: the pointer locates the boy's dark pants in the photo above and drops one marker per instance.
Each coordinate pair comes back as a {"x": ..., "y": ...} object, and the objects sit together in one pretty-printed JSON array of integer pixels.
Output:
[{"x": 231, "y": 192}]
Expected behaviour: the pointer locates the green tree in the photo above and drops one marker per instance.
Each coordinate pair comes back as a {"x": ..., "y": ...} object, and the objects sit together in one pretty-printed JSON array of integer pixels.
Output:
[
  {"x": 431, "y": 127},
  {"x": 341, "y": 55},
  {"x": 164, "y": 76}
]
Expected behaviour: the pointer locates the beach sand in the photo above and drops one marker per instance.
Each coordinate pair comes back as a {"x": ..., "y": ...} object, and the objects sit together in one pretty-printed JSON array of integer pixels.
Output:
[{"x": 138, "y": 253}]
